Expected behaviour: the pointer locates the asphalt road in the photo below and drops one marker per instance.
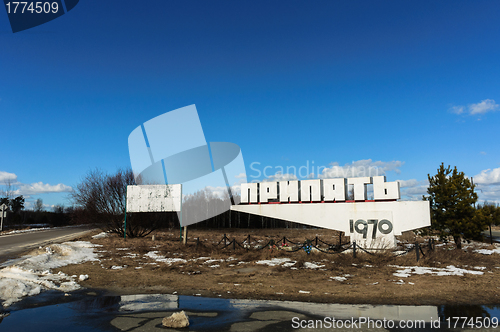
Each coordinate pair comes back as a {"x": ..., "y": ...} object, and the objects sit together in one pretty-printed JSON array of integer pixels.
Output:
[
  {"x": 495, "y": 234},
  {"x": 13, "y": 245}
]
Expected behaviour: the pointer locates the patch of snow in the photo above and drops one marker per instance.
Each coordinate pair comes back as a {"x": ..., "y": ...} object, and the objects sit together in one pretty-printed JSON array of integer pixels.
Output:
[
  {"x": 406, "y": 271},
  {"x": 487, "y": 251},
  {"x": 289, "y": 264},
  {"x": 33, "y": 274},
  {"x": 83, "y": 277},
  {"x": 339, "y": 278},
  {"x": 309, "y": 265},
  {"x": 26, "y": 230},
  {"x": 160, "y": 258},
  {"x": 273, "y": 261},
  {"x": 210, "y": 261},
  {"x": 118, "y": 267},
  {"x": 304, "y": 292},
  {"x": 200, "y": 258},
  {"x": 101, "y": 235},
  {"x": 130, "y": 255}
]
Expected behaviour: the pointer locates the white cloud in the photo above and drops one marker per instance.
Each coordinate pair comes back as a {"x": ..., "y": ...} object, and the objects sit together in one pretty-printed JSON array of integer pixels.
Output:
[
  {"x": 457, "y": 109},
  {"x": 408, "y": 183},
  {"x": 413, "y": 190},
  {"x": 280, "y": 177},
  {"x": 488, "y": 177},
  {"x": 31, "y": 189},
  {"x": 41, "y": 188},
  {"x": 490, "y": 193},
  {"x": 5, "y": 176},
  {"x": 365, "y": 167},
  {"x": 483, "y": 107}
]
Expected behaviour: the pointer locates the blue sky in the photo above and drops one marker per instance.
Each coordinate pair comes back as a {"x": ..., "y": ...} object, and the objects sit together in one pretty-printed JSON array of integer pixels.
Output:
[{"x": 401, "y": 86}]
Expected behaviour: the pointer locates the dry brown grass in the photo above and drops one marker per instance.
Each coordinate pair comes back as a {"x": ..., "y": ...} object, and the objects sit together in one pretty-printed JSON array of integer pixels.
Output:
[{"x": 370, "y": 278}]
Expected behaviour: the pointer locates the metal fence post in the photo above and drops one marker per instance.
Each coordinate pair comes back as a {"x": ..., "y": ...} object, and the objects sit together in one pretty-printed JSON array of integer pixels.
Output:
[
  {"x": 417, "y": 250},
  {"x": 353, "y": 249}
]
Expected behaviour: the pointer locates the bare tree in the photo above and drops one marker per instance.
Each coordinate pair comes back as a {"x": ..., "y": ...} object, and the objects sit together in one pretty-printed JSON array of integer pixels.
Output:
[
  {"x": 102, "y": 198},
  {"x": 38, "y": 205}
]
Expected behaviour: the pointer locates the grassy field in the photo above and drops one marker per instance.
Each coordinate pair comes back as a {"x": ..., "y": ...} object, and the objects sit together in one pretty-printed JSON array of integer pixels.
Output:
[{"x": 442, "y": 276}]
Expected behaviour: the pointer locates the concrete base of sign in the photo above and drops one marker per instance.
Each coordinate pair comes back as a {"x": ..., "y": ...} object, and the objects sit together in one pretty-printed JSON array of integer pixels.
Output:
[{"x": 370, "y": 224}]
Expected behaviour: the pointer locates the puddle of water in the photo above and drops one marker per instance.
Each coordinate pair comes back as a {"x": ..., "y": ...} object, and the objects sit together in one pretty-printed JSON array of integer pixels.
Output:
[
  {"x": 54, "y": 318},
  {"x": 86, "y": 310}
]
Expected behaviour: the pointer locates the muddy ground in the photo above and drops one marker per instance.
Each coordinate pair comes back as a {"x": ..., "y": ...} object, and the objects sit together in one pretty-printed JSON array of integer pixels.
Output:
[{"x": 201, "y": 268}]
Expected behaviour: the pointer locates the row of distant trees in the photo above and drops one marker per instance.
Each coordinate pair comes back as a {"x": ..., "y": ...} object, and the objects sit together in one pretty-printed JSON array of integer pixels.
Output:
[
  {"x": 101, "y": 198},
  {"x": 18, "y": 216}
]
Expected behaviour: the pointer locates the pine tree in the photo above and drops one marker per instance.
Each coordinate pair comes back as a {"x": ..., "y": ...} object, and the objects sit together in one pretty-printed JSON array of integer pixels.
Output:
[{"x": 452, "y": 199}]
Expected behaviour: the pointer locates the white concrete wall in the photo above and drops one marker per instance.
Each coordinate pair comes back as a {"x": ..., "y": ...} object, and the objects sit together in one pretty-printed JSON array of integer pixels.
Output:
[
  {"x": 154, "y": 198},
  {"x": 403, "y": 216}
]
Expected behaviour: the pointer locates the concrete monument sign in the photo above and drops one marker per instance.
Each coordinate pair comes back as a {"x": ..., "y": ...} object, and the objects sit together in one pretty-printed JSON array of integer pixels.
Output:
[{"x": 325, "y": 203}]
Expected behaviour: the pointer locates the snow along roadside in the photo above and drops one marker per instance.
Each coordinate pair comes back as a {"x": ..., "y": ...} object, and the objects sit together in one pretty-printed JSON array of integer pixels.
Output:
[{"x": 33, "y": 274}]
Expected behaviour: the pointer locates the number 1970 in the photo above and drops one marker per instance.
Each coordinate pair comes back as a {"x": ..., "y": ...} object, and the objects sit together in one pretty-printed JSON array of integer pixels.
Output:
[
  {"x": 355, "y": 226},
  {"x": 33, "y": 7}
]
